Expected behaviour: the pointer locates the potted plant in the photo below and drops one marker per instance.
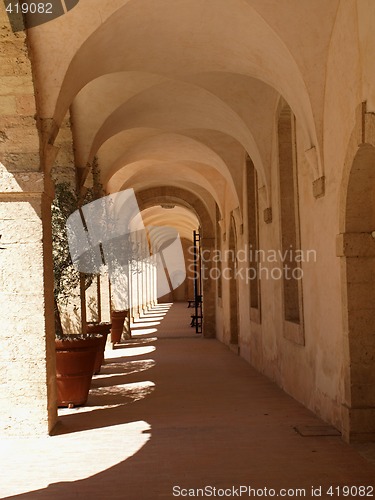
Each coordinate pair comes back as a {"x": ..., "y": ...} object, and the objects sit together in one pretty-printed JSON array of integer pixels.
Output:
[
  {"x": 75, "y": 353},
  {"x": 68, "y": 279},
  {"x": 120, "y": 312},
  {"x": 102, "y": 328},
  {"x": 118, "y": 321}
]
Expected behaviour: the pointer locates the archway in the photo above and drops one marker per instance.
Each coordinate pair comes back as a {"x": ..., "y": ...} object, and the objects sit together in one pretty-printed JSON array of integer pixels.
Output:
[
  {"x": 358, "y": 266},
  {"x": 184, "y": 198},
  {"x": 162, "y": 221}
]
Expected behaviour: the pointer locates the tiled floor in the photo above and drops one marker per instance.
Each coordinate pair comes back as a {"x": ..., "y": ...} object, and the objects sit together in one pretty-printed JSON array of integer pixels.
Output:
[{"x": 171, "y": 409}]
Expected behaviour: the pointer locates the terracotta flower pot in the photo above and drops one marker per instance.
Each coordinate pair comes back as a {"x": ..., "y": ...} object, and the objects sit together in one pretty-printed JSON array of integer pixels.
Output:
[
  {"x": 103, "y": 329},
  {"x": 75, "y": 361},
  {"x": 118, "y": 320}
]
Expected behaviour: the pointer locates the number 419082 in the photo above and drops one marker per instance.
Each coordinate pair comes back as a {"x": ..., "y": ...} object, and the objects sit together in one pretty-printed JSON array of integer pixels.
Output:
[
  {"x": 351, "y": 491},
  {"x": 29, "y": 8}
]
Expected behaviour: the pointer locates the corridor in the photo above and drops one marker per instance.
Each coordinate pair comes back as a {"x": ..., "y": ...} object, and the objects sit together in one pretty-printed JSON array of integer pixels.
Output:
[{"x": 171, "y": 409}]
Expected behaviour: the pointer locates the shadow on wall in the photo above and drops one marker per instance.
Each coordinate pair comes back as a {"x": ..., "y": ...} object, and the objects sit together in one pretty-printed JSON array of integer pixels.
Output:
[
  {"x": 71, "y": 319},
  {"x": 71, "y": 313},
  {"x": 92, "y": 307}
]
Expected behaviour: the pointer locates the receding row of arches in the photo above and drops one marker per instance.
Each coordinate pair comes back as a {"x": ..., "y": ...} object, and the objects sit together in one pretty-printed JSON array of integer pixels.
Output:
[{"x": 225, "y": 124}]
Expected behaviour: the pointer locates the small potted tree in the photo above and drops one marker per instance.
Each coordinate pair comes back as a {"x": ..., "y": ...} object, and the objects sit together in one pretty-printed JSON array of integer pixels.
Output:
[
  {"x": 75, "y": 353},
  {"x": 103, "y": 329},
  {"x": 121, "y": 273}
]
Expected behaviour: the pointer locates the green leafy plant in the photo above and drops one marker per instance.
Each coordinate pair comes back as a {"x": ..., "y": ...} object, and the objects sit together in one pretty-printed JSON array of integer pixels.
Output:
[
  {"x": 126, "y": 253},
  {"x": 66, "y": 276}
]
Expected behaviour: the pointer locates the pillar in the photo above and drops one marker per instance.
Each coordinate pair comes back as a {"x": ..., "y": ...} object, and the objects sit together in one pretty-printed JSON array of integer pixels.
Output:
[
  {"x": 154, "y": 292},
  {"x": 27, "y": 349},
  {"x": 209, "y": 290}
]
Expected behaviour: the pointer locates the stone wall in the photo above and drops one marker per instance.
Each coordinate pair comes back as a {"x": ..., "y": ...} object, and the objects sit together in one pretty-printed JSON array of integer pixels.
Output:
[
  {"x": 19, "y": 141},
  {"x": 26, "y": 307}
]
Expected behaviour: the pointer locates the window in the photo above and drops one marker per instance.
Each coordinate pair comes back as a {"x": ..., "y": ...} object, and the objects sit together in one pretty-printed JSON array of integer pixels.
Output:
[
  {"x": 289, "y": 211},
  {"x": 253, "y": 239},
  {"x": 218, "y": 247}
]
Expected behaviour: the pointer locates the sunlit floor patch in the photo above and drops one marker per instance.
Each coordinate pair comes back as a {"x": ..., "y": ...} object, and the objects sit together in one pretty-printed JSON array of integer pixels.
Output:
[
  {"x": 131, "y": 351},
  {"x": 143, "y": 331},
  {"x": 63, "y": 412},
  {"x": 127, "y": 368},
  {"x": 68, "y": 453},
  {"x": 136, "y": 342},
  {"x": 111, "y": 396},
  {"x": 156, "y": 316},
  {"x": 156, "y": 309},
  {"x": 145, "y": 324},
  {"x": 122, "y": 393}
]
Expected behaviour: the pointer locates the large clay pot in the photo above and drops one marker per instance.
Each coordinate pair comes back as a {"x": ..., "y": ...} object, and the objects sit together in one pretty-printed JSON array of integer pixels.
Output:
[
  {"x": 118, "y": 320},
  {"x": 75, "y": 361},
  {"x": 103, "y": 329}
]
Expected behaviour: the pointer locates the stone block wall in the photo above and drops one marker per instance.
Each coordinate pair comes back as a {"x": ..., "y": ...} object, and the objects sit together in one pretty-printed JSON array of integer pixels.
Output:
[
  {"x": 27, "y": 367},
  {"x": 19, "y": 140}
]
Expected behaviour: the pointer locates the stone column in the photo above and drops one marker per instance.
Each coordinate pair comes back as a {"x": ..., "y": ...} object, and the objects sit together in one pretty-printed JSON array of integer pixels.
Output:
[
  {"x": 147, "y": 289},
  {"x": 144, "y": 286},
  {"x": 27, "y": 350},
  {"x": 357, "y": 253},
  {"x": 139, "y": 277},
  {"x": 209, "y": 290},
  {"x": 134, "y": 290},
  {"x": 154, "y": 291}
]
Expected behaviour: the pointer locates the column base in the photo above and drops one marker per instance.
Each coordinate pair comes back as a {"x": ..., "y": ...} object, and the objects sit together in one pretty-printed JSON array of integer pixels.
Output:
[{"x": 358, "y": 424}]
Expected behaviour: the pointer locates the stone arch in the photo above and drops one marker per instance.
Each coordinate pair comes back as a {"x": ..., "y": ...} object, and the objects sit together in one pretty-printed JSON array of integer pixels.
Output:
[
  {"x": 157, "y": 195},
  {"x": 356, "y": 247},
  {"x": 169, "y": 149},
  {"x": 188, "y": 13},
  {"x": 178, "y": 174},
  {"x": 180, "y": 107},
  {"x": 162, "y": 222},
  {"x": 184, "y": 198},
  {"x": 168, "y": 29}
]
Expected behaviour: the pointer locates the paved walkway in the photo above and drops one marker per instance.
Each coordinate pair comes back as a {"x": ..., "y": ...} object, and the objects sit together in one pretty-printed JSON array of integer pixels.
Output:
[{"x": 171, "y": 409}]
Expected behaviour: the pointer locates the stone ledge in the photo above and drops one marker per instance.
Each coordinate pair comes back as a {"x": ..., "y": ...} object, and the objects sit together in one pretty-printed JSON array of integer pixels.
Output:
[
  {"x": 319, "y": 187},
  {"x": 21, "y": 182}
]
